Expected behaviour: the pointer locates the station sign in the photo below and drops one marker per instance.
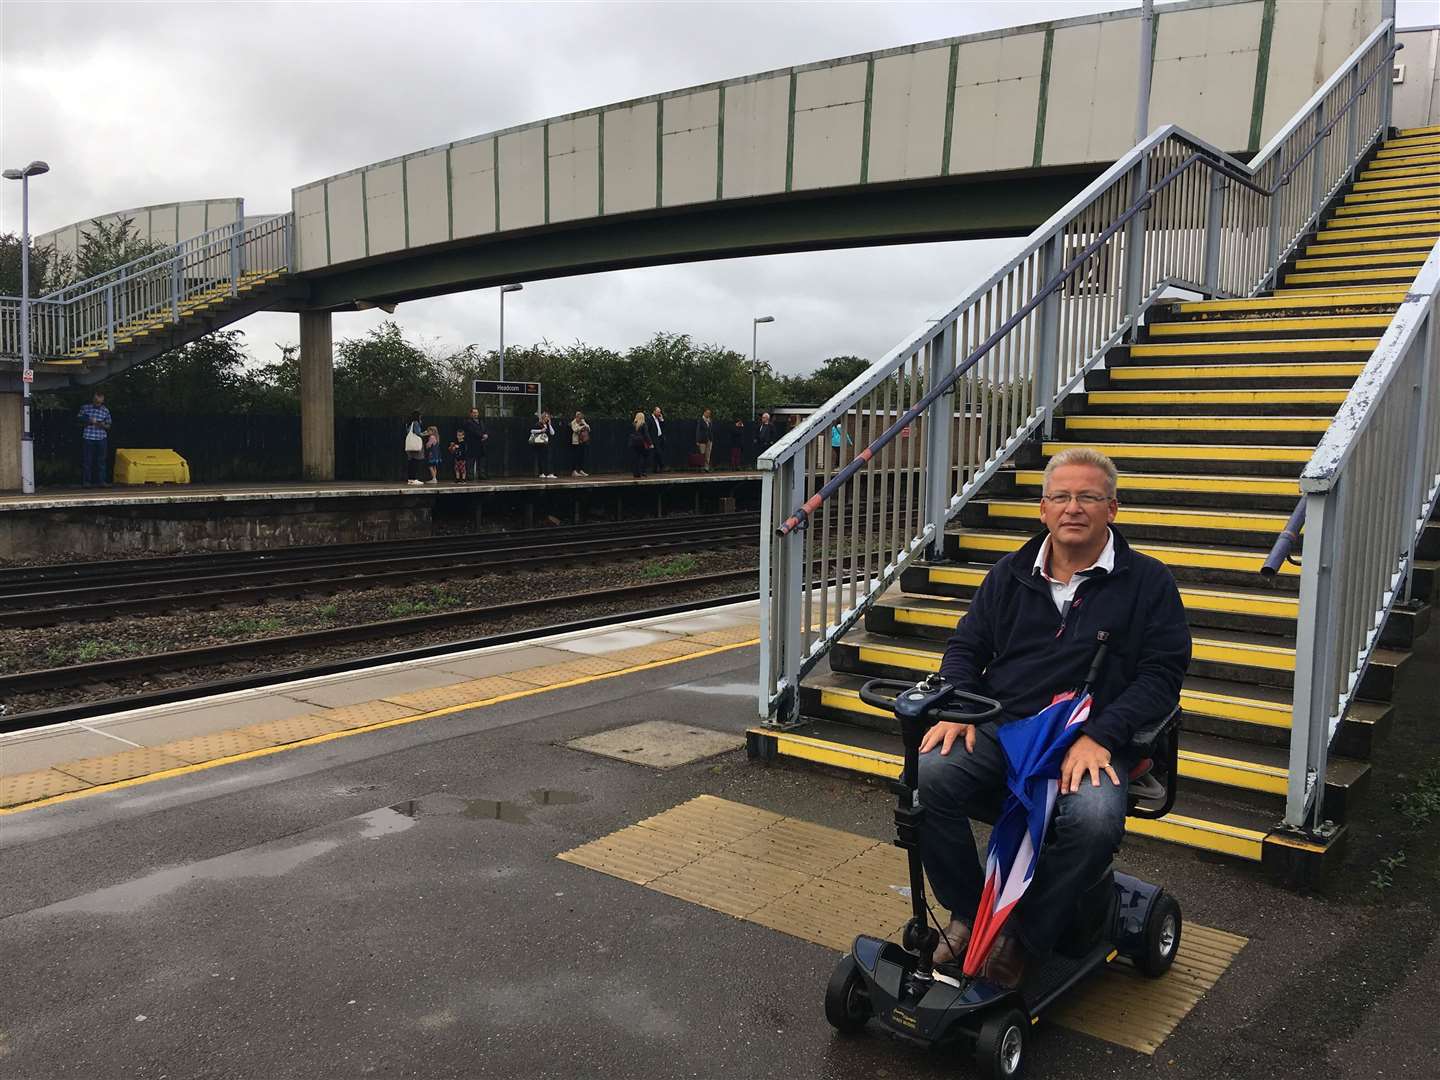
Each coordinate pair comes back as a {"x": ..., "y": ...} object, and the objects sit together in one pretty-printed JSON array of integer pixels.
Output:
[{"x": 491, "y": 386}]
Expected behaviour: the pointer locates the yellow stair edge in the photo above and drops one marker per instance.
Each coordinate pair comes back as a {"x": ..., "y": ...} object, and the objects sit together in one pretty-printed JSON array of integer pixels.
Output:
[
  {"x": 1169, "y": 554},
  {"x": 1237, "y": 371},
  {"x": 1217, "y": 397},
  {"x": 1276, "y": 346},
  {"x": 1366, "y": 321},
  {"x": 1232, "y": 485},
  {"x": 1162, "y": 516},
  {"x": 1183, "y": 451},
  {"x": 1197, "y": 423},
  {"x": 1368, "y": 295}
]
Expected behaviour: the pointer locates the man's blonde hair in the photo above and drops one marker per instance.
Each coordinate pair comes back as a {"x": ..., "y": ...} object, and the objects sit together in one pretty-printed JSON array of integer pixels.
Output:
[{"x": 1083, "y": 455}]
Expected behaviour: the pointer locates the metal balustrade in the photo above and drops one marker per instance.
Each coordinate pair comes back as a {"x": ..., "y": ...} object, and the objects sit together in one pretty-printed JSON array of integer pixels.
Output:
[
  {"x": 1369, "y": 489},
  {"x": 969, "y": 390},
  {"x": 155, "y": 289}
]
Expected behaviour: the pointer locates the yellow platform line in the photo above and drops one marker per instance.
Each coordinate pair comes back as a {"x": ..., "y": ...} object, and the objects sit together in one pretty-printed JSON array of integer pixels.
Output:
[
  {"x": 1198, "y": 423},
  {"x": 1277, "y": 347},
  {"x": 1235, "y": 371},
  {"x": 1188, "y": 832},
  {"x": 316, "y": 740},
  {"x": 1188, "y": 452},
  {"x": 1217, "y": 397},
  {"x": 1307, "y": 324}
]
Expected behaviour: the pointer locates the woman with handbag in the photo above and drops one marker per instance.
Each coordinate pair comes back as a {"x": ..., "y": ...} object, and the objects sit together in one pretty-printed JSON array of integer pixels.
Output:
[
  {"x": 579, "y": 444},
  {"x": 414, "y": 449},
  {"x": 540, "y": 436}
]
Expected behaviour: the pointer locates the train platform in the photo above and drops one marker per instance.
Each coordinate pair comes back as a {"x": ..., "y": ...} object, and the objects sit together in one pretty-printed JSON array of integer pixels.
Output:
[
  {"x": 163, "y": 494},
  {"x": 553, "y": 859}
]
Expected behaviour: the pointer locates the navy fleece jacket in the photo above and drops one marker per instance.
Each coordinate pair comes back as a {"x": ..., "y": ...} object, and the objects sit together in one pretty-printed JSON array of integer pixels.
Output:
[{"x": 1012, "y": 645}]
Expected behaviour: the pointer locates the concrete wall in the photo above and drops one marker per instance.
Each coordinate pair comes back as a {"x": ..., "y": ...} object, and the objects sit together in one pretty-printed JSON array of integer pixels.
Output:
[
  {"x": 165, "y": 223},
  {"x": 1051, "y": 94},
  {"x": 1417, "y": 94}
]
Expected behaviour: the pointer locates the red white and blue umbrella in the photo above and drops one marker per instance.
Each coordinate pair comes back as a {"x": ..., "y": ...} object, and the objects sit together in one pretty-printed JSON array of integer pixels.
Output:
[{"x": 1034, "y": 749}]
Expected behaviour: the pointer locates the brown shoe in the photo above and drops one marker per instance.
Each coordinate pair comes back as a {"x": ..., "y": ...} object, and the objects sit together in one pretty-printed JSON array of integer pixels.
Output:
[
  {"x": 953, "y": 942},
  {"x": 1005, "y": 966}
]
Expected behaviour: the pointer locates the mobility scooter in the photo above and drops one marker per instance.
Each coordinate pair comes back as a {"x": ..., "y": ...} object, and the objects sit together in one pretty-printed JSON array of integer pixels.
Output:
[{"x": 1117, "y": 916}]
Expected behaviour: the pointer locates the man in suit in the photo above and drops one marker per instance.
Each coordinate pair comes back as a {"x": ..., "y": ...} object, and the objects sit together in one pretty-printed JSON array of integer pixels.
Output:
[{"x": 655, "y": 428}]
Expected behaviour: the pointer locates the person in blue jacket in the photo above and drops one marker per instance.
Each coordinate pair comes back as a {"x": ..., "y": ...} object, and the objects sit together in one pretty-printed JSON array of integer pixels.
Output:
[{"x": 1028, "y": 636}]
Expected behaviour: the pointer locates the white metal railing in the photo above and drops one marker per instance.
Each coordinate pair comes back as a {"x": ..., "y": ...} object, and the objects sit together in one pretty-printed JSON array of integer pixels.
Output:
[
  {"x": 1369, "y": 489},
  {"x": 153, "y": 288},
  {"x": 967, "y": 391}
]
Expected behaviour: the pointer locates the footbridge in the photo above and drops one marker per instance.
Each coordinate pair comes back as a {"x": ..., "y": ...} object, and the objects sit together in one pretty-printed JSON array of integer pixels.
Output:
[{"x": 978, "y": 136}]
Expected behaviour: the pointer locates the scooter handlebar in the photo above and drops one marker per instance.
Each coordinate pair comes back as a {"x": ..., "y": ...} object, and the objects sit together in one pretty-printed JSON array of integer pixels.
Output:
[{"x": 928, "y": 700}]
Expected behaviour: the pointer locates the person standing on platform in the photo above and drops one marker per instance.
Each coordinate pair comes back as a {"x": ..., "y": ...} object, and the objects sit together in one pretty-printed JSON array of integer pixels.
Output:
[
  {"x": 475, "y": 439},
  {"x": 432, "y": 452},
  {"x": 95, "y": 442},
  {"x": 655, "y": 429},
  {"x": 765, "y": 435},
  {"x": 639, "y": 444},
  {"x": 579, "y": 444},
  {"x": 541, "y": 435},
  {"x": 737, "y": 445},
  {"x": 705, "y": 437},
  {"x": 414, "y": 449},
  {"x": 836, "y": 432},
  {"x": 457, "y": 455}
]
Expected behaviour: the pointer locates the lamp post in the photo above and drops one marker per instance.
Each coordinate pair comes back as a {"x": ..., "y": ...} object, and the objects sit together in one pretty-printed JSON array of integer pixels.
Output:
[
  {"x": 503, "y": 290},
  {"x": 754, "y": 361},
  {"x": 27, "y": 440}
]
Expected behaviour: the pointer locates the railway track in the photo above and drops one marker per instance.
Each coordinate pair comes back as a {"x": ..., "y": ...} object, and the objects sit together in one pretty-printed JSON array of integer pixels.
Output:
[
  {"x": 45, "y": 596},
  {"x": 105, "y": 672}
]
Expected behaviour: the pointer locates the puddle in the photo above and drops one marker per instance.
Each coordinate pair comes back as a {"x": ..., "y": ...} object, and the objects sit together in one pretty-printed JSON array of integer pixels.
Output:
[
  {"x": 441, "y": 805},
  {"x": 729, "y": 689}
]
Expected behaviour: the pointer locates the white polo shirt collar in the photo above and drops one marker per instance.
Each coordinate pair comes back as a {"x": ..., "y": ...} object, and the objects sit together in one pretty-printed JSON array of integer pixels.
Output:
[{"x": 1062, "y": 592}]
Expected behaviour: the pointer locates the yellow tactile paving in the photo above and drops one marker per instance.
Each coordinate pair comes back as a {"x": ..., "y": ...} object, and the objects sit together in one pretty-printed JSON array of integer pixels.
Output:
[
  {"x": 717, "y": 854},
  {"x": 292, "y": 729},
  {"x": 209, "y": 747},
  {"x": 121, "y": 766},
  {"x": 549, "y": 674},
  {"x": 594, "y": 665},
  {"x": 730, "y": 635},
  {"x": 442, "y": 697},
  {"x": 367, "y": 713},
  {"x": 40, "y": 784}
]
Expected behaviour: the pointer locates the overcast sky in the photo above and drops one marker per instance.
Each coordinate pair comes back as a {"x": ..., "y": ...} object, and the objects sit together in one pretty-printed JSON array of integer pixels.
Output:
[{"x": 133, "y": 104}]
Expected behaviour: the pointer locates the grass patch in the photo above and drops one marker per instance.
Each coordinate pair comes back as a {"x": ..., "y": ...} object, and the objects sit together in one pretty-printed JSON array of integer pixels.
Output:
[
  {"x": 88, "y": 650},
  {"x": 435, "y": 599},
  {"x": 671, "y": 567},
  {"x": 248, "y": 627},
  {"x": 328, "y": 611}
]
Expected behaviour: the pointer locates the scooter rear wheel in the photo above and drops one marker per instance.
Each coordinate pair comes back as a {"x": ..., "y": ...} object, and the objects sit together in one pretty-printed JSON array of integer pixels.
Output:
[
  {"x": 847, "y": 1005},
  {"x": 1000, "y": 1049},
  {"x": 1162, "y": 937}
]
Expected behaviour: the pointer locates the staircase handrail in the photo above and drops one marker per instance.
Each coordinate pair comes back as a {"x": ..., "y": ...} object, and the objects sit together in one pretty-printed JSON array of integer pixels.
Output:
[
  {"x": 1367, "y": 492},
  {"x": 1046, "y": 323},
  {"x": 115, "y": 273}
]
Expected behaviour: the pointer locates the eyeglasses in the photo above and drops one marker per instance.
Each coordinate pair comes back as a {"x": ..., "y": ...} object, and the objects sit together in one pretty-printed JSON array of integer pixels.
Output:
[{"x": 1085, "y": 498}]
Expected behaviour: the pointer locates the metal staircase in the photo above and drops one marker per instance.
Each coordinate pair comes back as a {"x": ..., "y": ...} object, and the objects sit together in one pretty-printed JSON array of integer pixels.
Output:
[
  {"x": 96, "y": 328},
  {"x": 1218, "y": 413}
]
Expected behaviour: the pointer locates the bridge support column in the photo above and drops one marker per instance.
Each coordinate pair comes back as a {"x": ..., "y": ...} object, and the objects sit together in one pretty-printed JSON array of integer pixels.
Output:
[
  {"x": 317, "y": 396},
  {"x": 11, "y": 423}
]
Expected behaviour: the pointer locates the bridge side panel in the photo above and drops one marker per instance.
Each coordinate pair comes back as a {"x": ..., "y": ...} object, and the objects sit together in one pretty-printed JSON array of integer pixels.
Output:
[
  {"x": 346, "y": 209},
  {"x": 829, "y": 126},
  {"x": 574, "y": 165},
  {"x": 690, "y": 136},
  {"x": 473, "y": 188},
  {"x": 1090, "y": 114},
  {"x": 1309, "y": 42},
  {"x": 522, "y": 178},
  {"x": 757, "y": 128},
  {"x": 427, "y": 199},
  {"x": 997, "y": 95},
  {"x": 1204, "y": 73},
  {"x": 907, "y": 115},
  {"x": 385, "y": 208}
]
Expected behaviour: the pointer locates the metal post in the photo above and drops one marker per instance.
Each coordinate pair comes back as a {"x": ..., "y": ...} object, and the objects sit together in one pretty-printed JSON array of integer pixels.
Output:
[
  {"x": 235, "y": 262},
  {"x": 754, "y": 349},
  {"x": 796, "y": 581},
  {"x": 1214, "y": 222},
  {"x": 1135, "y": 243},
  {"x": 175, "y": 289},
  {"x": 1416, "y": 484},
  {"x": 502, "y": 335},
  {"x": 1147, "y": 40},
  {"x": 110, "y": 316},
  {"x": 1317, "y": 165},
  {"x": 1352, "y": 125},
  {"x": 27, "y": 437},
  {"x": 1047, "y": 359},
  {"x": 939, "y": 427},
  {"x": 1272, "y": 239},
  {"x": 1314, "y": 655}
]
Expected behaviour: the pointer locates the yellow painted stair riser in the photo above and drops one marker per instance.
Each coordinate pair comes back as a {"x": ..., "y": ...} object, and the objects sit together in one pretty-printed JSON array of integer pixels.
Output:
[
  {"x": 1185, "y": 451},
  {"x": 1198, "y": 423},
  {"x": 1273, "y": 607},
  {"x": 1386, "y": 295},
  {"x": 1342, "y": 262},
  {"x": 1236, "y": 371},
  {"x": 1216, "y": 397},
  {"x": 1276, "y": 347},
  {"x": 1307, "y": 324},
  {"x": 1193, "y": 558},
  {"x": 1236, "y": 485},
  {"x": 1160, "y": 517},
  {"x": 1361, "y": 247},
  {"x": 1332, "y": 277}
]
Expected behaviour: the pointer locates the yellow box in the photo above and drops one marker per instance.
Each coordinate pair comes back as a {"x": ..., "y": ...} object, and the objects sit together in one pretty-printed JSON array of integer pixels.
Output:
[{"x": 150, "y": 467}]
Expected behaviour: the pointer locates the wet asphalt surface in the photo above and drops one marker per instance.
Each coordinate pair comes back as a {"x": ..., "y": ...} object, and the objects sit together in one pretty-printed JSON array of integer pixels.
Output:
[{"x": 276, "y": 918}]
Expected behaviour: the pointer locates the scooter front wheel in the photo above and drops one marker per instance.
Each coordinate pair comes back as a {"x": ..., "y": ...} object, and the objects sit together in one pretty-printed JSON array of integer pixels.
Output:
[
  {"x": 1162, "y": 937},
  {"x": 1000, "y": 1049},
  {"x": 847, "y": 1005}
]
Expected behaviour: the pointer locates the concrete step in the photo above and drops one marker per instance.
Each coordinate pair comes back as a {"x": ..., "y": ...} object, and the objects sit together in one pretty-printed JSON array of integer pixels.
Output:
[
  {"x": 1367, "y": 325},
  {"x": 1312, "y": 260},
  {"x": 1409, "y": 144},
  {"x": 1398, "y": 180},
  {"x": 1200, "y": 428},
  {"x": 1250, "y": 350},
  {"x": 1368, "y": 275},
  {"x": 1421, "y": 242},
  {"x": 1416, "y": 169},
  {"x": 1377, "y": 206},
  {"x": 1380, "y": 226},
  {"x": 1220, "y": 376},
  {"x": 1150, "y": 520},
  {"x": 1173, "y": 457},
  {"x": 1166, "y": 403},
  {"x": 1382, "y": 299},
  {"x": 1278, "y": 493}
]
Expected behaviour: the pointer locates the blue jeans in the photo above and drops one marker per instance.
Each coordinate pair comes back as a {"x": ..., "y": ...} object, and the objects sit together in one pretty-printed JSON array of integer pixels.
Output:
[
  {"x": 93, "y": 458},
  {"x": 1084, "y": 835}
]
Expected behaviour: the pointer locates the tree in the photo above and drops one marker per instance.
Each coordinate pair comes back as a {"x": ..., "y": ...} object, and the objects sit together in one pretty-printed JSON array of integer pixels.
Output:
[
  {"x": 109, "y": 245},
  {"x": 48, "y": 269}
]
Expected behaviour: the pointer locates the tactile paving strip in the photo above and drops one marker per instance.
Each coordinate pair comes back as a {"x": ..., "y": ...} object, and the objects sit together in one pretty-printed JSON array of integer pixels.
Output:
[
  {"x": 41, "y": 784},
  {"x": 730, "y": 635},
  {"x": 825, "y": 886},
  {"x": 209, "y": 747},
  {"x": 549, "y": 674},
  {"x": 465, "y": 693},
  {"x": 367, "y": 713},
  {"x": 121, "y": 766}
]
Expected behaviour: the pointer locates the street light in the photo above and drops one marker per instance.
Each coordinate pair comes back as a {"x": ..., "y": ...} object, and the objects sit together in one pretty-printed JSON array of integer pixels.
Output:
[
  {"x": 503, "y": 290},
  {"x": 27, "y": 440},
  {"x": 754, "y": 362}
]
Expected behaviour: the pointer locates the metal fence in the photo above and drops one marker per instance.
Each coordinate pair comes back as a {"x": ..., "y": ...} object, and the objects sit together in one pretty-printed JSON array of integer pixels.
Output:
[
  {"x": 1369, "y": 489},
  {"x": 959, "y": 397},
  {"x": 152, "y": 290}
]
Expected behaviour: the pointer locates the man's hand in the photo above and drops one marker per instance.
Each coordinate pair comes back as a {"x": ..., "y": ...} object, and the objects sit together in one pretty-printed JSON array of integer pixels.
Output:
[
  {"x": 944, "y": 735},
  {"x": 1084, "y": 756}
]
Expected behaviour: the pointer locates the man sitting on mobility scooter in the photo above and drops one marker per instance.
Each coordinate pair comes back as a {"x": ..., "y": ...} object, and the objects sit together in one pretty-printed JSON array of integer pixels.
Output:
[{"x": 1028, "y": 636}]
